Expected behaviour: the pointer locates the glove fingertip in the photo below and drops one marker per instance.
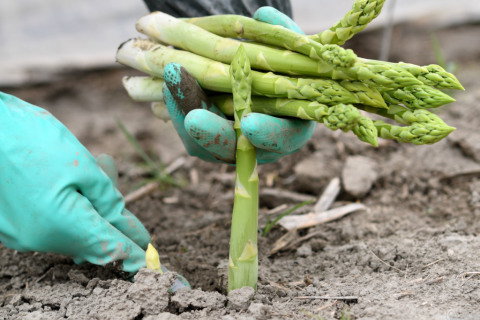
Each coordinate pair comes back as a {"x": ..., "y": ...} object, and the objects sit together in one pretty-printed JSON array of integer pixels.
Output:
[
  {"x": 212, "y": 132},
  {"x": 273, "y": 16},
  {"x": 171, "y": 74},
  {"x": 279, "y": 135}
]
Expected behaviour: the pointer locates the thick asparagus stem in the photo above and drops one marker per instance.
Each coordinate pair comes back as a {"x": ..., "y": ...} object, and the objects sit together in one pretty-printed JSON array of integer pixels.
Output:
[
  {"x": 243, "y": 258},
  {"x": 151, "y": 57},
  {"x": 376, "y": 74},
  {"x": 179, "y": 33},
  {"x": 143, "y": 89},
  {"x": 361, "y": 14},
  {"x": 234, "y": 26}
]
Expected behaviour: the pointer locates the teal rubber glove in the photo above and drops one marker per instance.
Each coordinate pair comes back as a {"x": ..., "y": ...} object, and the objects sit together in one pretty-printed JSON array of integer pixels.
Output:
[
  {"x": 273, "y": 16},
  {"x": 54, "y": 196},
  {"x": 208, "y": 135}
]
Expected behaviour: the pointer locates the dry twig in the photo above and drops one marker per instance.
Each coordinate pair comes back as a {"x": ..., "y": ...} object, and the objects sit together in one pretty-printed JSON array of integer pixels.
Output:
[
  {"x": 432, "y": 263},
  {"x": 345, "y": 298},
  {"x": 469, "y": 274},
  {"x": 314, "y": 218},
  {"x": 328, "y": 196}
]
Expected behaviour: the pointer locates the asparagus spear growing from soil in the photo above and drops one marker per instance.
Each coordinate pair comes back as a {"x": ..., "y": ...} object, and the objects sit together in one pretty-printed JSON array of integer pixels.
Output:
[
  {"x": 150, "y": 57},
  {"x": 235, "y": 26},
  {"x": 152, "y": 259},
  {"x": 243, "y": 259},
  {"x": 362, "y": 13}
]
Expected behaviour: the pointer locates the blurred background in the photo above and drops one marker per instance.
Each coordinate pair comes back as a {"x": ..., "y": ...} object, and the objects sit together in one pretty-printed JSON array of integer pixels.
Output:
[{"x": 42, "y": 39}]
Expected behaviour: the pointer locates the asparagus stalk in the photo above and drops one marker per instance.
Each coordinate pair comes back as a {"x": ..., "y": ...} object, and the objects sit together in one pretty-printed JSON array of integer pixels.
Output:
[
  {"x": 235, "y": 26},
  {"x": 343, "y": 117},
  {"x": 243, "y": 258},
  {"x": 143, "y": 89},
  {"x": 431, "y": 75},
  {"x": 438, "y": 77},
  {"x": 366, "y": 94},
  {"x": 179, "y": 33},
  {"x": 361, "y": 14},
  {"x": 364, "y": 128},
  {"x": 415, "y": 97},
  {"x": 150, "y": 89},
  {"x": 151, "y": 58},
  {"x": 422, "y": 126},
  {"x": 376, "y": 74}
]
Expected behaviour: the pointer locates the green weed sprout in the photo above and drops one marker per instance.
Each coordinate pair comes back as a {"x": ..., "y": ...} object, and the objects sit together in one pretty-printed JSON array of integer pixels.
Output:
[{"x": 285, "y": 74}]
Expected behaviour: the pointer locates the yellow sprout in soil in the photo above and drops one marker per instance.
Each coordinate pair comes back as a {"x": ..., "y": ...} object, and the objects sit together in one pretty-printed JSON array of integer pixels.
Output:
[{"x": 153, "y": 259}]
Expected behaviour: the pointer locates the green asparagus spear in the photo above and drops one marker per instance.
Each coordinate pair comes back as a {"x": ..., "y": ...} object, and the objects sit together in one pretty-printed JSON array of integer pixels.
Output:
[
  {"x": 187, "y": 36},
  {"x": 438, "y": 77},
  {"x": 415, "y": 97},
  {"x": 151, "y": 57},
  {"x": 303, "y": 109},
  {"x": 361, "y": 14},
  {"x": 150, "y": 89},
  {"x": 234, "y": 26},
  {"x": 366, "y": 94},
  {"x": 388, "y": 75},
  {"x": 243, "y": 259},
  {"x": 312, "y": 110},
  {"x": 422, "y": 126},
  {"x": 378, "y": 75},
  {"x": 431, "y": 75},
  {"x": 343, "y": 117}
]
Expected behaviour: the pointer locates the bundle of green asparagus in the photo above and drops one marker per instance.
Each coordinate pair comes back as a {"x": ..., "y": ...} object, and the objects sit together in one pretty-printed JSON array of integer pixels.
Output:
[{"x": 309, "y": 77}]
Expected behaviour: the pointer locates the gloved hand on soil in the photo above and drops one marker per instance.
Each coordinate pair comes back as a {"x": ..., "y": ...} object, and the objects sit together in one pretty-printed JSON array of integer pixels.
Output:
[
  {"x": 208, "y": 135},
  {"x": 55, "y": 197}
]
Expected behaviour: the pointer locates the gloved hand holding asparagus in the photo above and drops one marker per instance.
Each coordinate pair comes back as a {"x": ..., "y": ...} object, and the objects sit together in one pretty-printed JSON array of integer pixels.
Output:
[
  {"x": 295, "y": 75},
  {"x": 277, "y": 71}
]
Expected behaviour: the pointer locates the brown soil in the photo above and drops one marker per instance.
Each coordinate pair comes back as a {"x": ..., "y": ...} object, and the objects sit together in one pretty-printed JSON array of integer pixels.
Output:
[{"x": 413, "y": 254}]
